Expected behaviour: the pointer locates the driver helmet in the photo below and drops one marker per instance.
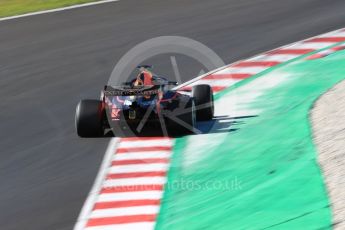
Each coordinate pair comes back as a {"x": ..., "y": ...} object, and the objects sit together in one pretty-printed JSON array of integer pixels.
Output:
[{"x": 144, "y": 78}]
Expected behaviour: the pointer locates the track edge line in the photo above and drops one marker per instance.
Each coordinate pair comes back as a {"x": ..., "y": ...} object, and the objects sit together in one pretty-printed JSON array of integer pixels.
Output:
[{"x": 88, "y": 204}]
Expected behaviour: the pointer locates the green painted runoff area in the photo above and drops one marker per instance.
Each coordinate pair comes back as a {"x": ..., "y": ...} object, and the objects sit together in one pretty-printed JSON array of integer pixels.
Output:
[{"x": 263, "y": 174}]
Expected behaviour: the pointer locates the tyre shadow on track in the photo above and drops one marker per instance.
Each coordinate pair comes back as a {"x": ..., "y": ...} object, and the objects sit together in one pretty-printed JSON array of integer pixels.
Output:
[
  {"x": 219, "y": 124},
  {"x": 222, "y": 124}
]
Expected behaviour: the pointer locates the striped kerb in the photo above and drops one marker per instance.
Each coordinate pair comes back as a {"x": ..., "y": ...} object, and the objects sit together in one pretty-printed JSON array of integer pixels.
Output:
[{"x": 131, "y": 192}]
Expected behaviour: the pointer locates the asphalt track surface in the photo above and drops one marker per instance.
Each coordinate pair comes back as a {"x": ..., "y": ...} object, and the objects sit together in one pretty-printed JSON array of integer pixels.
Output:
[{"x": 49, "y": 62}]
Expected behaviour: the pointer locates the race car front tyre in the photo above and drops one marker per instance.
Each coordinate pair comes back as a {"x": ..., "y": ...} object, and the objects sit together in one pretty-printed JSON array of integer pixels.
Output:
[
  {"x": 203, "y": 97},
  {"x": 89, "y": 118}
]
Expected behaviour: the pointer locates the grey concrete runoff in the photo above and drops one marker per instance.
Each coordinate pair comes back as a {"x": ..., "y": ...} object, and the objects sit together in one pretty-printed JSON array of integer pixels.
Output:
[{"x": 329, "y": 133}]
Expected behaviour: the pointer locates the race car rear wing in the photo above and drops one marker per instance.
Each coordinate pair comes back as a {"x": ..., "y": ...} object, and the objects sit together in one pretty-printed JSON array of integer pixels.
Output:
[{"x": 132, "y": 91}]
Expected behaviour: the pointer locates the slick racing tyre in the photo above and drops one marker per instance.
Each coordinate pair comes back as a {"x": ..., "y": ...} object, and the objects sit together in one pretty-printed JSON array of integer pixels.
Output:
[
  {"x": 203, "y": 97},
  {"x": 89, "y": 118}
]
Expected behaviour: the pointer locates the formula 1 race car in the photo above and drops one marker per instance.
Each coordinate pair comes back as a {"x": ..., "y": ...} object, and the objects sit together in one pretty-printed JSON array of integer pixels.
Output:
[{"x": 145, "y": 100}]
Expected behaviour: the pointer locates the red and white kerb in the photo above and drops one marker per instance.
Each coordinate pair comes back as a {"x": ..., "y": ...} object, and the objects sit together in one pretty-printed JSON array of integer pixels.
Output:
[
  {"x": 132, "y": 189},
  {"x": 231, "y": 74}
]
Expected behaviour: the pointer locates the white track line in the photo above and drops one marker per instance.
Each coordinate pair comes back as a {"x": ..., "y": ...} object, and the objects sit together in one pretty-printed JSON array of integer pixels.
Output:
[
  {"x": 115, "y": 212},
  {"x": 146, "y": 143},
  {"x": 140, "y": 155},
  {"x": 216, "y": 82},
  {"x": 139, "y": 168},
  {"x": 97, "y": 186},
  {"x": 57, "y": 9},
  {"x": 244, "y": 70},
  {"x": 121, "y": 196},
  {"x": 135, "y": 181},
  {"x": 311, "y": 45},
  {"x": 337, "y": 33},
  {"x": 274, "y": 57}
]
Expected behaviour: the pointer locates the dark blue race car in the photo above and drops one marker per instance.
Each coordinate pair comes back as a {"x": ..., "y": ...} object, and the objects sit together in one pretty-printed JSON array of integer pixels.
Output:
[{"x": 146, "y": 100}]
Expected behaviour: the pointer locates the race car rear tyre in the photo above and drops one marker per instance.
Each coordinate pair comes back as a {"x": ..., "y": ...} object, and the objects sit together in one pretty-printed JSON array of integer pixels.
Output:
[
  {"x": 184, "y": 120},
  {"x": 203, "y": 97},
  {"x": 89, "y": 118}
]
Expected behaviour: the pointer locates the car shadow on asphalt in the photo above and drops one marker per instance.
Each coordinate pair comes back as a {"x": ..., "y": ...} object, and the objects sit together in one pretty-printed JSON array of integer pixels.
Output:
[{"x": 219, "y": 124}]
